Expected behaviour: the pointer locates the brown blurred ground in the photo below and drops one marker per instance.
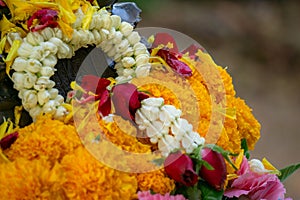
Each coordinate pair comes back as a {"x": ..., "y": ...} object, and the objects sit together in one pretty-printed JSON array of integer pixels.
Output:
[{"x": 259, "y": 41}]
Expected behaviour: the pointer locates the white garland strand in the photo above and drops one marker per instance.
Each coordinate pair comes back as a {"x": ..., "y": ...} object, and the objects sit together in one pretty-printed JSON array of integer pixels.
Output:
[
  {"x": 40, "y": 51},
  {"x": 163, "y": 125}
]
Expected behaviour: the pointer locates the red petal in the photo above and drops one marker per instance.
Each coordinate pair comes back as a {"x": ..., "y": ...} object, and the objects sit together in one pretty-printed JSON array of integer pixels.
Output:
[
  {"x": 8, "y": 140},
  {"x": 217, "y": 176},
  {"x": 172, "y": 60},
  {"x": 179, "y": 167},
  {"x": 164, "y": 38},
  {"x": 104, "y": 106}
]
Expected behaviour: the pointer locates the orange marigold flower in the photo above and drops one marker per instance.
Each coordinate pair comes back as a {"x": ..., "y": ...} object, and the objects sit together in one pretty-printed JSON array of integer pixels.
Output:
[
  {"x": 35, "y": 179},
  {"x": 44, "y": 138},
  {"x": 157, "y": 181},
  {"x": 87, "y": 178}
]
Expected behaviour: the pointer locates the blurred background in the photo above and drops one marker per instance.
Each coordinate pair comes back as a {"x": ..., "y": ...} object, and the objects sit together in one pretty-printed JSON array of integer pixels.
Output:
[{"x": 259, "y": 42}]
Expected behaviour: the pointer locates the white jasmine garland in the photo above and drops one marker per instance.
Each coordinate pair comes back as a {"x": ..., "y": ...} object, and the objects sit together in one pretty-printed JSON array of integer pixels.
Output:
[
  {"x": 163, "y": 125},
  {"x": 39, "y": 52}
]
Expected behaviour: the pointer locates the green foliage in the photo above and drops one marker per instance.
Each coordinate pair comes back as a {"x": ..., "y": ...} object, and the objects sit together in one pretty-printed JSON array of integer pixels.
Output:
[
  {"x": 208, "y": 192},
  {"x": 287, "y": 171},
  {"x": 244, "y": 146}
]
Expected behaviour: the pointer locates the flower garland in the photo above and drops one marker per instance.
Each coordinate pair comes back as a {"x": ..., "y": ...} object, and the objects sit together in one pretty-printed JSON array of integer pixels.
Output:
[
  {"x": 58, "y": 164},
  {"x": 39, "y": 51}
]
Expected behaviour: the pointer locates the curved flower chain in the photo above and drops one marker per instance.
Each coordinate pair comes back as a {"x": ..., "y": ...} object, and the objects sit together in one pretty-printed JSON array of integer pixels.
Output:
[
  {"x": 39, "y": 52},
  {"x": 163, "y": 125}
]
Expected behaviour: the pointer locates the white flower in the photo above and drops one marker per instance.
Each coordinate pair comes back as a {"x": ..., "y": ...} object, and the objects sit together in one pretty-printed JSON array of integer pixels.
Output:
[
  {"x": 34, "y": 38},
  {"x": 153, "y": 101},
  {"x": 60, "y": 112},
  {"x": 25, "y": 50},
  {"x": 167, "y": 144},
  {"x": 107, "y": 22},
  {"x": 64, "y": 50},
  {"x": 49, "y": 46},
  {"x": 156, "y": 129},
  {"x": 33, "y": 66},
  {"x": 134, "y": 38},
  {"x": 122, "y": 46},
  {"x": 128, "y": 52},
  {"x": 97, "y": 22},
  {"x": 143, "y": 70},
  {"x": 21, "y": 93},
  {"x": 47, "y": 71},
  {"x": 39, "y": 53},
  {"x": 35, "y": 112},
  {"x": 106, "y": 46},
  {"x": 141, "y": 120},
  {"x": 112, "y": 33},
  {"x": 97, "y": 37},
  {"x": 150, "y": 112},
  {"x": 53, "y": 93},
  {"x": 50, "y": 107},
  {"x": 112, "y": 52},
  {"x": 257, "y": 166},
  {"x": 59, "y": 99},
  {"x": 84, "y": 37},
  {"x": 76, "y": 37},
  {"x": 128, "y": 72},
  {"x": 79, "y": 17},
  {"x": 23, "y": 80},
  {"x": 128, "y": 62},
  {"x": 115, "y": 21},
  {"x": 29, "y": 99},
  {"x": 58, "y": 33},
  {"x": 47, "y": 33},
  {"x": 142, "y": 59},
  {"x": 169, "y": 114},
  {"x": 44, "y": 82},
  {"x": 19, "y": 64},
  {"x": 140, "y": 48},
  {"x": 104, "y": 34},
  {"x": 126, "y": 28},
  {"x": 50, "y": 61},
  {"x": 118, "y": 37},
  {"x": 43, "y": 97}
]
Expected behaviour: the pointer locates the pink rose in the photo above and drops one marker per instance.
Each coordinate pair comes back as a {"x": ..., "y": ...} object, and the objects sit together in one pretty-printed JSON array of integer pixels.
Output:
[
  {"x": 179, "y": 167},
  {"x": 255, "y": 186}
]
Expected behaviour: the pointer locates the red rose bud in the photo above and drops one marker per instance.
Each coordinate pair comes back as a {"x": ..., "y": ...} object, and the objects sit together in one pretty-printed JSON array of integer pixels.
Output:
[
  {"x": 179, "y": 167},
  {"x": 45, "y": 17},
  {"x": 172, "y": 59},
  {"x": 127, "y": 100},
  {"x": 8, "y": 140},
  {"x": 217, "y": 176}
]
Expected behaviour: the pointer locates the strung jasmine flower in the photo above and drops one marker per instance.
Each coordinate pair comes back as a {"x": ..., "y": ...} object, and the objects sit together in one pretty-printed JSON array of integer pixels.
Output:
[
  {"x": 47, "y": 71},
  {"x": 33, "y": 66},
  {"x": 35, "y": 112},
  {"x": 29, "y": 99},
  {"x": 49, "y": 46},
  {"x": 134, "y": 37},
  {"x": 60, "y": 112},
  {"x": 53, "y": 93},
  {"x": 19, "y": 64},
  {"x": 34, "y": 38},
  {"x": 25, "y": 50},
  {"x": 128, "y": 62},
  {"x": 143, "y": 70},
  {"x": 50, "y": 61},
  {"x": 50, "y": 107},
  {"x": 47, "y": 33},
  {"x": 115, "y": 21},
  {"x": 43, "y": 97},
  {"x": 126, "y": 28},
  {"x": 23, "y": 80},
  {"x": 142, "y": 59}
]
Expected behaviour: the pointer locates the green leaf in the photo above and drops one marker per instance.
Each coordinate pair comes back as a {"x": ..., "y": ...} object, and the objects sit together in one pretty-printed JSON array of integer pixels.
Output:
[
  {"x": 287, "y": 171},
  {"x": 244, "y": 146},
  {"x": 208, "y": 192},
  {"x": 207, "y": 165},
  {"x": 193, "y": 193}
]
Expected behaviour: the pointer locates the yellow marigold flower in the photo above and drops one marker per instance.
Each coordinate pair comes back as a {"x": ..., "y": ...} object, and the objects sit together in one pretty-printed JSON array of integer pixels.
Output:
[
  {"x": 157, "y": 181},
  {"x": 87, "y": 178},
  {"x": 248, "y": 126},
  {"x": 36, "y": 179},
  {"x": 44, "y": 138}
]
